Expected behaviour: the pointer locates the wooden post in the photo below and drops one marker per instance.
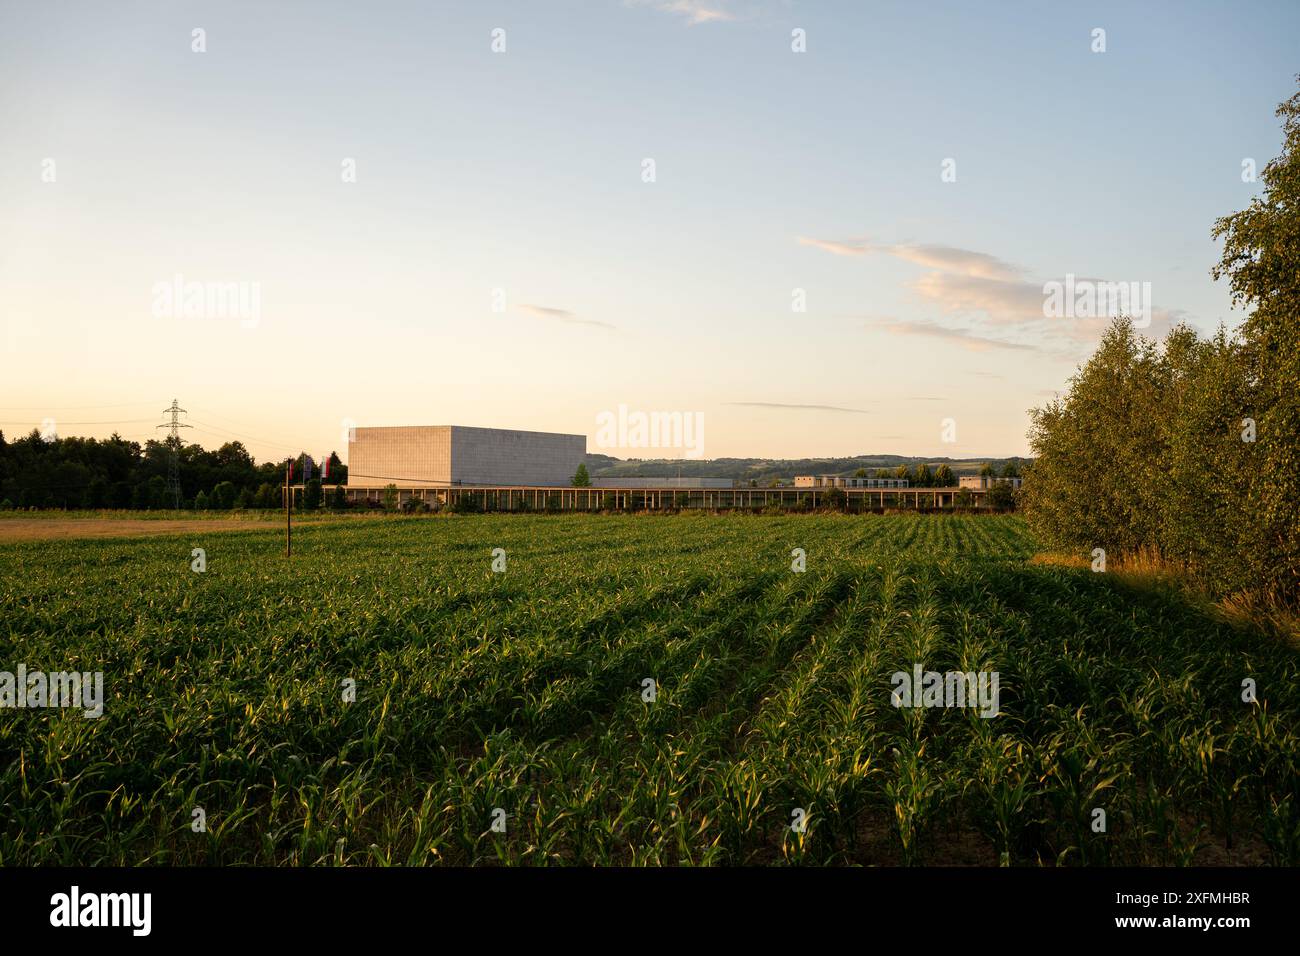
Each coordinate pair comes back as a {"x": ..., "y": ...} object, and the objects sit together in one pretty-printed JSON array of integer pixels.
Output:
[{"x": 288, "y": 511}]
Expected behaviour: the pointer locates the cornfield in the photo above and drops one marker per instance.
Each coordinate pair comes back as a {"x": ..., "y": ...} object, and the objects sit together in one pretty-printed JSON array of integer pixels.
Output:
[{"x": 632, "y": 690}]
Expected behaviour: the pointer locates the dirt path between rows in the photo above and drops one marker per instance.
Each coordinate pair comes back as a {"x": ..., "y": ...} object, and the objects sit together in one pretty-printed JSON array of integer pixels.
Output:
[{"x": 42, "y": 529}]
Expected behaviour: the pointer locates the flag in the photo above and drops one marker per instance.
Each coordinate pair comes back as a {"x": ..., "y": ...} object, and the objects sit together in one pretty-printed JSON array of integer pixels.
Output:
[
  {"x": 308, "y": 466},
  {"x": 325, "y": 467}
]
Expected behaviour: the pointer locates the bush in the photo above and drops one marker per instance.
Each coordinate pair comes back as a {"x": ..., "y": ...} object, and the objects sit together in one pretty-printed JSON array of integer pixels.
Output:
[{"x": 468, "y": 503}]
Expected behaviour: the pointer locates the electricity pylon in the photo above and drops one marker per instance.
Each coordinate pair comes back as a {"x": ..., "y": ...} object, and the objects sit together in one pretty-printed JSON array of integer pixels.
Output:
[{"x": 173, "y": 462}]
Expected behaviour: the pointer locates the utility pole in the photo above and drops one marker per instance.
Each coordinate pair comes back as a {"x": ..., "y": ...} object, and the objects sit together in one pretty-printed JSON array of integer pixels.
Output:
[
  {"x": 173, "y": 440},
  {"x": 288, "y": 508}
]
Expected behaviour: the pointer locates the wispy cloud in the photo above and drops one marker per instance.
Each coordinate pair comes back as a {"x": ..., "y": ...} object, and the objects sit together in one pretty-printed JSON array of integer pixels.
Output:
[
  {"x": 944, "y": 258},
  {"x": 982, "y": 287},
  {"x": 839, "y": 247},
  {"x": 817, "y": 408},
  {"x": 968, "y": 339},
  {"x": 695, "y": 11},
  {"x": 561, "y": 315},
  {"x": 978, "y": 265}
]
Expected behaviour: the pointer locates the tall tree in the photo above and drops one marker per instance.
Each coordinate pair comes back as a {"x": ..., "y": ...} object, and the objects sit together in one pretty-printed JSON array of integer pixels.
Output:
[{"x": 1261, "y": 261}]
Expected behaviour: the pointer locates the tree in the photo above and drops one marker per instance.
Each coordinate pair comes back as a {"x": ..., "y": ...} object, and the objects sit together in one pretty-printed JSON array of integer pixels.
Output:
[
  {"x": 311, "y": 495},
  {"x": 963, "y": 499},
  {"x": 390, "y": 497},
  {"x": 580, "y": 478},
  {"x": 883, "y": 473},
  {"x": 339, "y": 500},
  {"x": 223, "y": 496},
  {"x": 119, "y": 495},
  {"x": 922, "y": 477},
  {"x": 835, "y": 498},
  {"x": 158, "y": 497},
  {"x": 1010, "y": 469},
  {"x": 338, "y": 470},
  {"x": 200, "y": 502},
  {"x": 268, "y": 496},
  {"x": 1261, "y": 261},
  {"x": 987, "y": 471},
  {"x": 1001, "y": 497},
  {"x": 96, "y": 493},
  {"x": 860, "y": 473},
  {"x": 902, "y": 472},
  {"x": 943, "y": 477}
]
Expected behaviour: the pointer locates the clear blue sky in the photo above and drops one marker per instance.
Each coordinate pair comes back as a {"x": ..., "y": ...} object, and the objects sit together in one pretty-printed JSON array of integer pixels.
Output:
[{"x": 521, "y": 171}]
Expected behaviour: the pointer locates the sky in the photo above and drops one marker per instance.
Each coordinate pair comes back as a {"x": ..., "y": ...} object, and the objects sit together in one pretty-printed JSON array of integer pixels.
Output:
[{"x": 534, "y": 214}]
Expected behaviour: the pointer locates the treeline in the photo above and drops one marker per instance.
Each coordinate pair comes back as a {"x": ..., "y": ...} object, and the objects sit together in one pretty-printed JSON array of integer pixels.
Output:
[
  {"x": 36, "y": 472},
  {"x": 1189, "y": 449}
]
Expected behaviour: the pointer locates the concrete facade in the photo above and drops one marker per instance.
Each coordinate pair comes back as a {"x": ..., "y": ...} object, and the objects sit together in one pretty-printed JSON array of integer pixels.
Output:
[
  {"x": 634, "y": 482},
  {"x": 986, "y": 481},
  {"x": 835, "y": 481},
  {"x": 441, "y": 456}
]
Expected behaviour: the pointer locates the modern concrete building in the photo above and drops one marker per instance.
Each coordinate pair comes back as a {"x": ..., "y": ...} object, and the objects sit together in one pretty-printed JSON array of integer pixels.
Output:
[
  {"x": 443, "y": 456},
  {"x": 835, "y": 481},
  {"x": 986, "y": 481}
]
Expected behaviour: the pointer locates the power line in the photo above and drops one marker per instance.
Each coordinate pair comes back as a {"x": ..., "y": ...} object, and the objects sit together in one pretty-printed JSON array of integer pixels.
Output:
[
  {"x": 239, "y": 428},
  {"x": 122, "y": 421},
  {"x": 226, "y": 434},
  {"x": 64, "y": 408}
]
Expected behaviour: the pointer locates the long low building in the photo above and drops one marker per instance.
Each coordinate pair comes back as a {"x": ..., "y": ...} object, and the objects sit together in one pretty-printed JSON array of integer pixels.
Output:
[
  {"x": 448, "y": 456},
  {"x": 635, "y": 482},
  {"x": 985, "y": 482},
  {"x": 836, "y": 481},
  {"x": 633, "y": 498}
]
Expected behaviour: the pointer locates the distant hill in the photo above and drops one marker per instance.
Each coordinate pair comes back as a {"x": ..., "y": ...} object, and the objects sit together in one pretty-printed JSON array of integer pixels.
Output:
[{"x": 764, "y": 470}]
